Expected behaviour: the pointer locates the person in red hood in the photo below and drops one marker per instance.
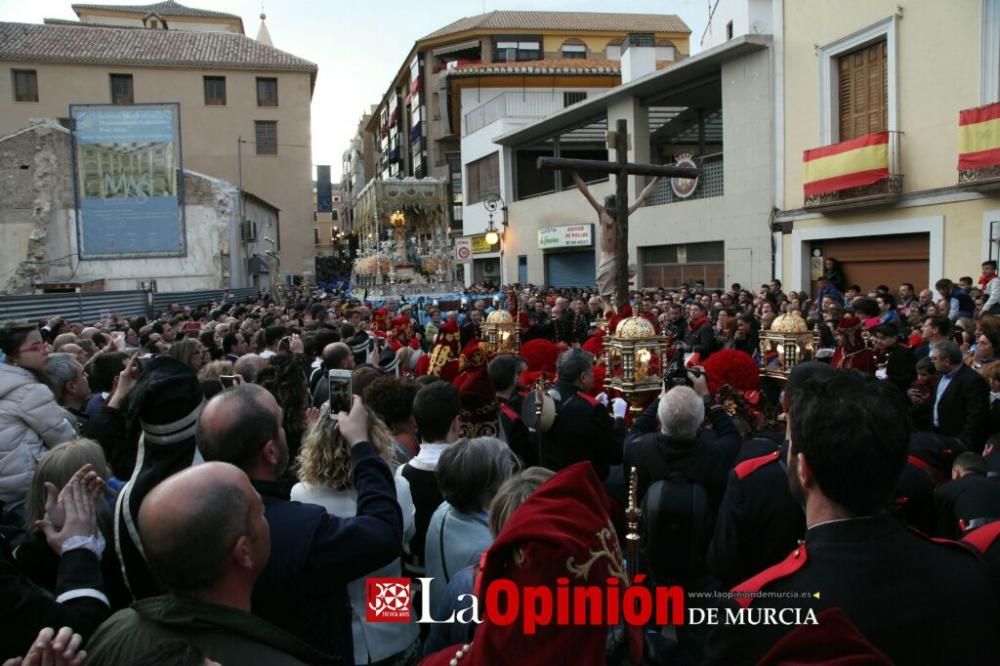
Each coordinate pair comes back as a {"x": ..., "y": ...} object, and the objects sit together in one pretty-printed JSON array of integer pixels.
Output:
[
  {"x": 475, "y": 390},
  {"x": 443, "y": 360},
  {"x": 562, "y": 531}
]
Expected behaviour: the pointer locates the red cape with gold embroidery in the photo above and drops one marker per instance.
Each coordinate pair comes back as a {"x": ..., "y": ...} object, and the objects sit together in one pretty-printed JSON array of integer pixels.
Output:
[{"x": 562, "y": 530}]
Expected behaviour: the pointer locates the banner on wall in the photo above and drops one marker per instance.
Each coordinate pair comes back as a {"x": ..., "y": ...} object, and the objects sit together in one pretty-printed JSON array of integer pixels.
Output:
[{"x": 128, "y": 184}]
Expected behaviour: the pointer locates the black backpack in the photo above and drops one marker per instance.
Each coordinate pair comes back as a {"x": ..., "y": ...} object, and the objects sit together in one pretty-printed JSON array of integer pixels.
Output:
[{"x": 675, "y": 529}]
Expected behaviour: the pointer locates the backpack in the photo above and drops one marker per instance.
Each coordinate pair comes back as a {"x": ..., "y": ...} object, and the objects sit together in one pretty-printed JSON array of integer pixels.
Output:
[{"x": 675, "y": 529}]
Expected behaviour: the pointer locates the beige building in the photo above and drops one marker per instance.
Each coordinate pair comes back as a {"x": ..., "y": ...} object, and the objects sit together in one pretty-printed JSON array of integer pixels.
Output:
[
  {"x": 855, "y": 69},
  {"x": 244, "y": 105}
]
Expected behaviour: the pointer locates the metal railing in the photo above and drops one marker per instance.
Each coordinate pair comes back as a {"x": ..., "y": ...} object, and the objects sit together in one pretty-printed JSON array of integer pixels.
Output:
[
  {"x": 512, "y": 105},
  {"x": 710, "y": 183},
  {"x": 88, "y": 307}
]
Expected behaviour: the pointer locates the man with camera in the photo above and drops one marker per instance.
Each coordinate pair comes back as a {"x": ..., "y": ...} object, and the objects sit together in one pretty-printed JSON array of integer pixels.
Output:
[{"x": 680, "y": 445}]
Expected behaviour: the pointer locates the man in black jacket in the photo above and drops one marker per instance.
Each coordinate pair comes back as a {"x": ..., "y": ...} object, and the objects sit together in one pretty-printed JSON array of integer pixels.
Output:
[
  {"x": 961, "y": 404},
  {"x": 848, "y": 442},
  {"x": 699, "y": 337},
  {"x": 583, "y": 429},
  {"x": 969, "y": 500},
  {"x": 313, "y": 554},
  {"x": 504, "y": 374}
]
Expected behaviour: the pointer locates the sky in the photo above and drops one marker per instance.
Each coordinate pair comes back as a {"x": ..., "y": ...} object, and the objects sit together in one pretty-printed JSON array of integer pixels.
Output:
[{"x": 359, "y": 45}]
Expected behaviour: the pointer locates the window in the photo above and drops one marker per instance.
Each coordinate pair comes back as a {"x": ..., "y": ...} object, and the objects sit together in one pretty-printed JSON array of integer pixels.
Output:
[
  {"x": 641, "y": 39},
  {"x": 863, "y": 91},
  {"x": 215, "y": 90},
  {"x": 672, "y": 265},
  {"x": 267, "y": 92},
  {"x": 25, "y": 85},
  {"x": 729, "y": 30},
  {"x": 121, "y": 89},
  {"x": 482, "y": 178},
  {"x": 574, "y": 51},
  {"x": 571, "y": 98},
  {"x": 267, "y": 137},
  {"x": 515, "y": 49}
]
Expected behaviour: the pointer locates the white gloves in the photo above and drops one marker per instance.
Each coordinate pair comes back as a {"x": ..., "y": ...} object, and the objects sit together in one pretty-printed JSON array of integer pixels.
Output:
[
  {"x": 620, "y": 407},
  {"x": 602, "y": 398}
]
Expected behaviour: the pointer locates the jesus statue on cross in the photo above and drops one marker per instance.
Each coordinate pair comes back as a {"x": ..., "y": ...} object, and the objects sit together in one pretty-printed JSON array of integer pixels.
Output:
[{"x": 607, "y": 268}]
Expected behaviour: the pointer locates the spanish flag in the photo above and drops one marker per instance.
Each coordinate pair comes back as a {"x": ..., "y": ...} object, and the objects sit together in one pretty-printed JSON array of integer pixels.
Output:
[
  {"x": 979, "y": 137},
  {"x": 854, "y": 163}
]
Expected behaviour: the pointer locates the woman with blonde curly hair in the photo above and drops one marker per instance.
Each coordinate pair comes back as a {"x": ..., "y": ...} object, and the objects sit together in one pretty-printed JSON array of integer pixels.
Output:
[
  {"x": 215, "y": 370},
  {"x": 326, "y": 479}
]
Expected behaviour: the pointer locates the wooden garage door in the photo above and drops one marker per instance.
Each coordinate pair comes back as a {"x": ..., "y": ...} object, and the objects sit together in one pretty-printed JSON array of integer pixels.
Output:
[{"x": 874, "y": 260}]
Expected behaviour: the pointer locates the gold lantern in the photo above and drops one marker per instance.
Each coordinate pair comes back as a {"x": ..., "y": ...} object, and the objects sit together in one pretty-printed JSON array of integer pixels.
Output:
[
  {"x": 788, "y": 343},
  {"x": 501, "y": 332},
  {"x": 638, "y": 352}
]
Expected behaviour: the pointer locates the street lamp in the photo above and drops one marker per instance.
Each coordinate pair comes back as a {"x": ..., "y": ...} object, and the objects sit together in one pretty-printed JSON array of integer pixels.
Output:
[{"x": 493, "y": 203}]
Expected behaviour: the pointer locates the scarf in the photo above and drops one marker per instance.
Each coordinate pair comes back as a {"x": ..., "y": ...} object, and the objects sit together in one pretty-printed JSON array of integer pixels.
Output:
[
  {"x": 985, "y": 279},
  {"x": 695, "y": 324}
]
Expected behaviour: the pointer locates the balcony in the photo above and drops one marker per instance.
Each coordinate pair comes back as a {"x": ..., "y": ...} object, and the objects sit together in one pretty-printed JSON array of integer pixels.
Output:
[
  {"x": 858, "y": 173},
  {"x": 979, "y": 148},
  {"x": 710, "y": 184},
  {"x": 512, "y": 105}
]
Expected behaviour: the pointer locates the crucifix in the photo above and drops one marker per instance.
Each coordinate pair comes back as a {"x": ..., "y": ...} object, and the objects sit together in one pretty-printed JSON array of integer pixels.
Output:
[{"x": 612, "y": 274}]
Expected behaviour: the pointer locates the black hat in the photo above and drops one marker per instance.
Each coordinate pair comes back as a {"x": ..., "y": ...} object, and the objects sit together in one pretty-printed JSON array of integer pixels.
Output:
[{"x": 388, "y": 362}]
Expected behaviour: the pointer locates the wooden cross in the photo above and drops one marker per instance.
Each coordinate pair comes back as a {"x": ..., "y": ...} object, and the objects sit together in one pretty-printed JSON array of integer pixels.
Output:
[{"x": 621, "y": 168}]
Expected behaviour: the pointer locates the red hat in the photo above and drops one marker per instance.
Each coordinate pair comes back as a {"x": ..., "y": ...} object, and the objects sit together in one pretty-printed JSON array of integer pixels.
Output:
[
  {"x": 733, "y": 368},
  {"x": 540, "y": 355},
  {"x": 478, "y": 412},
  {"x": 192, "y": 326},
  {"x": 563, "y": 530},
  {"x": 848, "y": 323},
  {"x": 475, "y": 355},
  {"x": 594, "y": 344}
]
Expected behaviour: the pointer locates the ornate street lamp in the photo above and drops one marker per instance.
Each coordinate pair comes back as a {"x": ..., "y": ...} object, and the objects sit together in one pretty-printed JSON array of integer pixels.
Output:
[
  {"x": 493, "y": 203},
  {"x": 502, "y": 333},
  {"x": 786, "y": 344},
  {"x": 638, "y": 352}
]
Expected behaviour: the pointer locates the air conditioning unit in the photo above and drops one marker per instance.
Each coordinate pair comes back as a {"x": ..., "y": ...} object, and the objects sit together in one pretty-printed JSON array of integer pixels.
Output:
[{"x": 248, "y": 231}]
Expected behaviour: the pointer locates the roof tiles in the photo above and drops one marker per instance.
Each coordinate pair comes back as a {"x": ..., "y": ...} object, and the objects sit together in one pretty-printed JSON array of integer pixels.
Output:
[{"x": 574, "y": 21}]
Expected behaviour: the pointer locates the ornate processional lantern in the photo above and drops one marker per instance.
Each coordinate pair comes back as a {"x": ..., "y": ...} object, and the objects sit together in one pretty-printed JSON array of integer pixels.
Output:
[
  {"x": 635, "y": 356},
  {"x": 788, "y": 343},
  {"x": 501, "y": 332}
]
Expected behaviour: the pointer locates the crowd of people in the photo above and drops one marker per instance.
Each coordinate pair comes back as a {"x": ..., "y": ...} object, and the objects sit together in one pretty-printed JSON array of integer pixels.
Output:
[{"x": 196, "y": 487}]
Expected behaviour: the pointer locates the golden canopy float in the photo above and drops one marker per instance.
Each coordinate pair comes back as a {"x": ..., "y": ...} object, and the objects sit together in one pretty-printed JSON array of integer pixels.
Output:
[
  {"x": 788, "y": 343},
  {"x": 406, "y": 222},
  {"x": 501, "y": 333},
  {"x": 635, "y": 356}
]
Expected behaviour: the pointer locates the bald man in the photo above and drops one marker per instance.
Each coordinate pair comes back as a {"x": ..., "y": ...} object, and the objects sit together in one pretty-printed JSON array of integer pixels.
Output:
[
  {"x": 314, "y": 555},
  {"x": 336, "y": 356},
  {"x": 206, "y": 540}
]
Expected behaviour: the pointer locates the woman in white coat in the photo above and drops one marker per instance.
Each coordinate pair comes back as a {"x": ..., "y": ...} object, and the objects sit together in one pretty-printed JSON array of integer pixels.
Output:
[
  {"x": 325, "y": 473},
  {"x": 31, "y": 421}
]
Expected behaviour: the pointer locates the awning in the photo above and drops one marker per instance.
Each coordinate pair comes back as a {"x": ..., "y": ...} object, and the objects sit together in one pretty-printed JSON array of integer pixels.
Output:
[{"x": 455, "y": 48}]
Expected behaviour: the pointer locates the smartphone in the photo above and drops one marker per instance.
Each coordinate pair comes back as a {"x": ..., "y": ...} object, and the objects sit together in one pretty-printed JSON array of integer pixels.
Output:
[
  {"x": 228, "y": 381},
  {"x": 341, "y": 391}
]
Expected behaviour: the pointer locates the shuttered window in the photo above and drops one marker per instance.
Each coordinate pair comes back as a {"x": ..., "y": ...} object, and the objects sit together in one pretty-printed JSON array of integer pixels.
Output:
[
  {"x": 25, "y": 85},
  {"x": 121, "y": 89},
  {"x": 215, "y": 91},
  {"x": 267, "y": 137},
  {"x": 482, "y": 178},
  {"x": 267, "y": 92},
  {"x": 863, "y": 87}
]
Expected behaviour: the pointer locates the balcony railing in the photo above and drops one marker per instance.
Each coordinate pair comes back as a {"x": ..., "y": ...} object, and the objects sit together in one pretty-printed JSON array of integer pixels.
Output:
[
  {"x": 858, "y": 173},
  {"x": 710, "y": 183},
  {"x": 512, "y": 105},
  {"x": 979, "y": 148}
]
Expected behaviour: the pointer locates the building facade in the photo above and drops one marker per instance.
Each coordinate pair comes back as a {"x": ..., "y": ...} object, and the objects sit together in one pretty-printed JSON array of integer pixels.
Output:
[
  {"x": 871, "y": 138},
  {"x": 244, "y": 105},
  {"x": 713, "y": 110}
]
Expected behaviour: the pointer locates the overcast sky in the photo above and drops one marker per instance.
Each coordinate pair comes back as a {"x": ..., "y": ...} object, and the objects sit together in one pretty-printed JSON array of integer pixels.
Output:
[{"x": 359, "y": 45}]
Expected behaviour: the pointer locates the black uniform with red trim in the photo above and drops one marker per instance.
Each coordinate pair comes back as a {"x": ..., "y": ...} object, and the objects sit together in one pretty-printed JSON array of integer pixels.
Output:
[
  {"x": 916, "y": 600},
  {"x": 986, "y": 540},
  {"x": 583, "y": 430},
  {"x": 965, "y": 503},
  {"x": 515, "y": 432},
  {"x": 759, "y": 521}
]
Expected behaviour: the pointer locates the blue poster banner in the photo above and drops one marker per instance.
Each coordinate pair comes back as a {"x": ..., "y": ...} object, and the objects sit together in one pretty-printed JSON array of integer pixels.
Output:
[{"x": 129, "y": 188}]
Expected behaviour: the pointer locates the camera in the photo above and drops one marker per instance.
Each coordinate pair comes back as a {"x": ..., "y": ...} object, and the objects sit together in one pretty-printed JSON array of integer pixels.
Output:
[{"x": 677, "y": 374}]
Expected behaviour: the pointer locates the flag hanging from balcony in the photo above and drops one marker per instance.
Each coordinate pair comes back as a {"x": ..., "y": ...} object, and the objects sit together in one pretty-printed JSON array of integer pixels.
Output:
[
  {"x": 855, "y": 163},
  {"x": 979, "y": 137}
]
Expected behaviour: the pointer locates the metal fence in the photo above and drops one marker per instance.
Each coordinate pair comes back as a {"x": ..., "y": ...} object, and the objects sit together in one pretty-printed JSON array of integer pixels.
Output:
[
  {"x": 512, "y": 105},
  {"x": 710, "y": 184},
  {"x": 92, "y": 306}
]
